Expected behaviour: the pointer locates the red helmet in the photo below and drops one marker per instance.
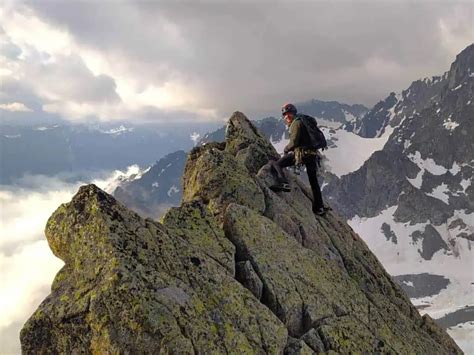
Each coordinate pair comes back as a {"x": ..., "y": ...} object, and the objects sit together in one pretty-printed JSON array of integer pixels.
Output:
[{"x": 288, "y": 108}]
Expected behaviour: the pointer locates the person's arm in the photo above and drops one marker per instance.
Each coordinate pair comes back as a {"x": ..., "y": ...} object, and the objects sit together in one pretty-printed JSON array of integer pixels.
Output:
[{"x": 295, "y": 137}]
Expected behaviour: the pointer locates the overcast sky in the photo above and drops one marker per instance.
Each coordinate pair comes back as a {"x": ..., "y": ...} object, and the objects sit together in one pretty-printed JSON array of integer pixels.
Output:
[{"x": 194, "y": 60}]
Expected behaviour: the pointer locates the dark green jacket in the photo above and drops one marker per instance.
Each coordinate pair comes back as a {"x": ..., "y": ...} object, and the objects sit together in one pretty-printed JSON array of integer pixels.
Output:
[{"x": 299, "y": 137}]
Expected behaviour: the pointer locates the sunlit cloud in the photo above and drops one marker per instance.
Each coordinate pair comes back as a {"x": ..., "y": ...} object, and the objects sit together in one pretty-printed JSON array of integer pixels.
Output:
[
  {"x": 79, "y": 82},
  {"x": 15, "y": 107}
]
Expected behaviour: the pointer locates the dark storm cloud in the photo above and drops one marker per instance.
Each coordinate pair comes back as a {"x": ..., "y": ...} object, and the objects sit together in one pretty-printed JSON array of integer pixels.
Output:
[{"x": 248, "y": 56}]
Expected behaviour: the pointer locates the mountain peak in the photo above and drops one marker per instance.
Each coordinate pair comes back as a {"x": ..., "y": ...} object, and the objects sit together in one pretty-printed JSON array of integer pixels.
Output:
[
  {"x": 236, "y": 268},
  {"x": 462, "y": 68}
]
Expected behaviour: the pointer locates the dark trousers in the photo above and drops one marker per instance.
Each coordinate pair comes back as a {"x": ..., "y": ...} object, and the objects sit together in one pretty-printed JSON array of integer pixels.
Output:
[{"x": 311, "y": 169}]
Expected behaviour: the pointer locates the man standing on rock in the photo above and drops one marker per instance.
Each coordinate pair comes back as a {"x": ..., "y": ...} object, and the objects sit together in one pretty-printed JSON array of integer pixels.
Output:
[{"x": 305, "y": 139}]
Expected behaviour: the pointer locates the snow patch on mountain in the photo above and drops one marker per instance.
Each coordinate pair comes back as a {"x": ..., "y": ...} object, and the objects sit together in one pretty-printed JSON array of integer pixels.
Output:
[
  {"x": 349, "y": 116},
  {"x": 346, "y": 151},
  {"x": 393, "y": 256},
  {"x": 195, "y": 137},
  {"x": 456, "y": 168},
  {"x": 279, "y": 144},
  {"x": 427, "y": 164},
  {"x": 403, "y": 258},
  {"x": 173, "y": 189},
  {"x": 450, "y": 125},
  {"x": 462, "y": 333},
  {"x": 329, "y": 124},
  {"x": 440, "y": 192},
  {"x": 350, "y": 151},
  {"x": 408, "y": 283},
  {"x": 117, "y": 131},
  {"x": 465, "y": 183},
  {"x": 133, "y": 172}
]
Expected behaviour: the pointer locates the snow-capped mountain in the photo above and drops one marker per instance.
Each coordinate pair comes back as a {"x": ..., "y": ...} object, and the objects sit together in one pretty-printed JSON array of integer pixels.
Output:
[
  {"x": 396, "y": 107},
  {"x": 413, "y": 200}
]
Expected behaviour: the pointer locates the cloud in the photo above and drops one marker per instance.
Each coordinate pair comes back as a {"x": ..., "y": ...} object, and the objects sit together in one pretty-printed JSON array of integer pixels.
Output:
[
  {"x": 210, "y": 58},
  {"x": 458, "y": 29},
  {"x": 79, "y": 82},
  {"x": 15, "y": 106}
]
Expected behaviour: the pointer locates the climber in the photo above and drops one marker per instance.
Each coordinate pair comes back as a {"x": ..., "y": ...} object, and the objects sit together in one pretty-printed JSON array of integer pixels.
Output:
[{"x": 305, "y": 140}]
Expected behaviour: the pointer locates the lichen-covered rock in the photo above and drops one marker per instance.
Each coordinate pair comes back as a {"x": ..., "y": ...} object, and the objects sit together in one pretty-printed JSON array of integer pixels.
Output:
[
  {"x": 192, "y": 222},
  {"x": 241, "y": 133},
  {"x": 132, "y": 285},
  {"x": 217, "y": 177},
  {"x": 237, "y": 268},
  {"x": 247, "y": 276},
  {"x": 297, "y": 347}
]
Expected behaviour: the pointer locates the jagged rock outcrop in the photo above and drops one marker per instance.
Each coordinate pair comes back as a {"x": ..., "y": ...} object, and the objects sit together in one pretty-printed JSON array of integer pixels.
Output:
[{"x": 235, "y": 269}]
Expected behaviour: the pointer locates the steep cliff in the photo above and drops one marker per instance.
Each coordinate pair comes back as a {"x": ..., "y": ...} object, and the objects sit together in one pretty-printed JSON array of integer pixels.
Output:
[{"x": 236, "y": 268}]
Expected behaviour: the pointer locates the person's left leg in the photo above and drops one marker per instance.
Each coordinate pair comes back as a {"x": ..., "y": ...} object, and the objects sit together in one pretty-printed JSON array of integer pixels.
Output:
[
  {"x": 311, "y": 169},
  {"x": 285, "y": 161},
  {"x": 282, "y": 182}
]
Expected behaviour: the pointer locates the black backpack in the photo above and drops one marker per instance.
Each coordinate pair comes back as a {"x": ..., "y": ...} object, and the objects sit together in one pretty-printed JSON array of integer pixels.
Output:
[{"x": 316, "y": 136}]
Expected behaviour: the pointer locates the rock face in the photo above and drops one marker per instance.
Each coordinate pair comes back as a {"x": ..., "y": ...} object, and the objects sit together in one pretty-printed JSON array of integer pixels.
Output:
[{"x": 236, "y": 268}]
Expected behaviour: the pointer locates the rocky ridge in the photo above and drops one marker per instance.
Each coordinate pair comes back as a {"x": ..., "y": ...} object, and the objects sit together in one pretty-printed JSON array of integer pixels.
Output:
[
  {"x": 236, "y": 268},
  {"x": 389, "y": 112}
]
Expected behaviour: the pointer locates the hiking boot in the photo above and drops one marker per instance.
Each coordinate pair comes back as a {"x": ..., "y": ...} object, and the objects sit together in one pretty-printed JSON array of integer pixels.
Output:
[
  {"x": 281, "y": 187},
  {"x": 320, "y": 211}
]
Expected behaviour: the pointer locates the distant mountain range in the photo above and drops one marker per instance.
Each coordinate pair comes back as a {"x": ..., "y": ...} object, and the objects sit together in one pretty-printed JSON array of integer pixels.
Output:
[{"x": 60, "y": 148}]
